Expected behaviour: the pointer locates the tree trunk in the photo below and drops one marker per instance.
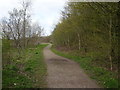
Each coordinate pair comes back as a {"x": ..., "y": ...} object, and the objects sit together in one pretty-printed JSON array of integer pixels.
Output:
[
  {"x": 24, "y": 29},
  {"x": 110, "y": 40},
  {"x": 68, "y": 43},
  {"x": 79, "y": 45}
]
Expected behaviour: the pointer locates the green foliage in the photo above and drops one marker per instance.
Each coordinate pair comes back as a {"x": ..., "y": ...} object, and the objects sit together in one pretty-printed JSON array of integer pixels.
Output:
[
  {"x": 12, "y": 79},
  {"x": 27, "y": 70},
  {"x": 90, "y": 28},
  {"x": 5, "y": 45},
  {"x": 104, "y": 77},
  {"x": 6, "y": 56}
]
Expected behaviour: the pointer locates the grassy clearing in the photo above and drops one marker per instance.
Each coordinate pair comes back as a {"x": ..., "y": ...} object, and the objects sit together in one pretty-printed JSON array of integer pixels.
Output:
[
  {"x": 27, "y": 70},
  {"x": 104, "y": 77}
]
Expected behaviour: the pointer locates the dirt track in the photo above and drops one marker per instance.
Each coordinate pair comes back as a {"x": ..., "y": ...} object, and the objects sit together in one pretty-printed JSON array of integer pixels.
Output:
[{"x": 65, "y": 73}]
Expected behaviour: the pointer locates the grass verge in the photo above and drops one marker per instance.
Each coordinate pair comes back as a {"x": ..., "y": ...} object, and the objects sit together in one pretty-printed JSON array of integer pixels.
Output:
[
  {"x": 104, "y": 77},
  {"x": 26, "y": 71}
]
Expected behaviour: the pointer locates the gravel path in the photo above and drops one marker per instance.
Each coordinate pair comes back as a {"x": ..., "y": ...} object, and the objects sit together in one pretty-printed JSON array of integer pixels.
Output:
[{"x": 65, "y": 73}]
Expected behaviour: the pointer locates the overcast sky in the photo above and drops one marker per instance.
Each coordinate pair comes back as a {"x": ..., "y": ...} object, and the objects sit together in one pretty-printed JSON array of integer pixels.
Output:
[{"x": 45, "y": 12}]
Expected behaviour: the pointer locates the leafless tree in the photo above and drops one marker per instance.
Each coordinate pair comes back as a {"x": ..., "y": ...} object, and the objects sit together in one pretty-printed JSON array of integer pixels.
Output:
[{"x": 25, "y": 9}]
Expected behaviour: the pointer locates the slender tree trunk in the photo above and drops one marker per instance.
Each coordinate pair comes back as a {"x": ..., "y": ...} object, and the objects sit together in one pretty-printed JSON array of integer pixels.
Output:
[
  {"x": 68, "y": 43},
  {"x": 110, "y": 41},
  {"x": 79, "y": 46},
  {"x": 24, "y": 29}
]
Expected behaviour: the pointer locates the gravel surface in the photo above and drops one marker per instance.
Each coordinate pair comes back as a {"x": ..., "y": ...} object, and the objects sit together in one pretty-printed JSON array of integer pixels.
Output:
[{"x": 65, "y": 73}]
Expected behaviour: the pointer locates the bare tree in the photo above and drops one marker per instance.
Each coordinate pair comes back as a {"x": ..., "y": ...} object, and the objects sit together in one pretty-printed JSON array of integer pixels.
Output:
[
  {"x": 25, "y": 7},
  {"x": 19, "y": 27},
  {"x": 5, "y": 30}
]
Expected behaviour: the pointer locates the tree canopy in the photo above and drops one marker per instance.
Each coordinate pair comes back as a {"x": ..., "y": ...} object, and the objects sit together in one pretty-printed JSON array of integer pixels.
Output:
[{"x": 90, "y": 28}]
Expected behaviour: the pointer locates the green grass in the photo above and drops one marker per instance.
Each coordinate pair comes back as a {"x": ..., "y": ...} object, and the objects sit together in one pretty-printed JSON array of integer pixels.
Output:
[
  {"x": 11, "y": 79},
  {"x": 37, "y": 65},
  {"x": 26, "y": 71},
  {"x": 104, "y": 77}
]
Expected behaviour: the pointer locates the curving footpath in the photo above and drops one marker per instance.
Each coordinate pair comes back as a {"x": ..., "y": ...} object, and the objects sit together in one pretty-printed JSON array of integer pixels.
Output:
[{"x": 65, "y": 73}]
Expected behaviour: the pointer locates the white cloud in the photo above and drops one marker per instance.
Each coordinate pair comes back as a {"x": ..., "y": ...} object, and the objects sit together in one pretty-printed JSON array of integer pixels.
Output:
[{"x": 46, "y": 12}]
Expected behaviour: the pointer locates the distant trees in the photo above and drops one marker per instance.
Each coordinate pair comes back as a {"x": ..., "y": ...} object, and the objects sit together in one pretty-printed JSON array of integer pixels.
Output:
[
  {"x": 90, "y": 28},
  {"x": 18, "y": 31},
  {"x": 18, "y": 26}
]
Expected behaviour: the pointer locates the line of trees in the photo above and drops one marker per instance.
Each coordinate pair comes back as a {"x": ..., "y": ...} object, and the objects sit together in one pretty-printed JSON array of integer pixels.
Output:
[
  {"x": 91, "y": 28},
  {"x": 18, "y": 26},
  {"x": 18, "y": 31}
]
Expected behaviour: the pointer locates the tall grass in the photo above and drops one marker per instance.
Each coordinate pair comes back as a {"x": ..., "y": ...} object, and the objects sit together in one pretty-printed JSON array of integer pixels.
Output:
[{"x": 27, "y": 70}]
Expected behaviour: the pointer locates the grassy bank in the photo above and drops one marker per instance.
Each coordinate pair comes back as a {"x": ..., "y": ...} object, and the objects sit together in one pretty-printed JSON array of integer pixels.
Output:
[
  {"x": 27, "y": 70},
  {"x": 104, "y": 77}
]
